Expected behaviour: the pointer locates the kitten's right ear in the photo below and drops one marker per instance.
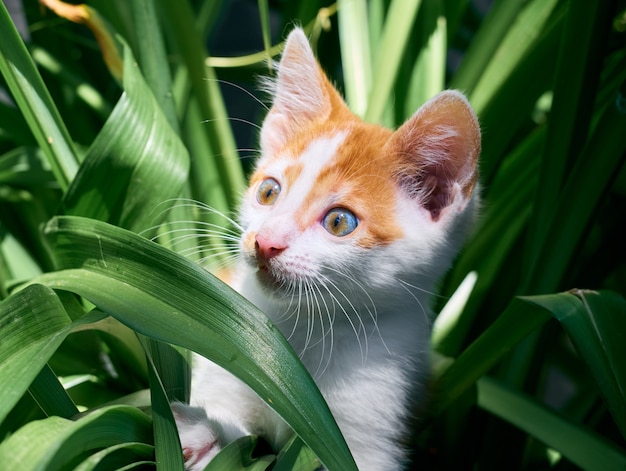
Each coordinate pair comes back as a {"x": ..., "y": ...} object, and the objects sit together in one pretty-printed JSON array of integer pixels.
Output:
[
  {"x": 438, "y": 149},
  {"x": 301, "y": 96}
]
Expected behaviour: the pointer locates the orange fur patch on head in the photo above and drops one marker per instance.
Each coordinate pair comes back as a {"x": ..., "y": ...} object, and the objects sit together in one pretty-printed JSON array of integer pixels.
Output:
[{"x": 359, "y": 178}]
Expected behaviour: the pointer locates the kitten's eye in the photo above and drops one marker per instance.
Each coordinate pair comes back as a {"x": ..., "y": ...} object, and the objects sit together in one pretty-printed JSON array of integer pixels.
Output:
[
  {"x": 340, "y": 222},
  {"x": 268, "y": 191}
]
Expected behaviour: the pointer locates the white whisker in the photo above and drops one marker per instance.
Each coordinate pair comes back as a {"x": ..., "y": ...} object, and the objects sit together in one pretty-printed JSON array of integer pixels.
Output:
[
  {"x": 230, "y": 118},
  {"x": 239, "y": 87},
  {"x": 347, "y": 316}
]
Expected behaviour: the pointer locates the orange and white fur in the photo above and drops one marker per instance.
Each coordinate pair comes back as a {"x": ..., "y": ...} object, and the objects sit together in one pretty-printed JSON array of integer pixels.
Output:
[{"x": 346, "y": 226}]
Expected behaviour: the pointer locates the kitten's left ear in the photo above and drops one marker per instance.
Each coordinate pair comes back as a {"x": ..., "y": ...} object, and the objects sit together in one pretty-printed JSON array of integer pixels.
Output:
[
  {"x": 302, "y": 94},
  {"x": 438, "y": 149}
]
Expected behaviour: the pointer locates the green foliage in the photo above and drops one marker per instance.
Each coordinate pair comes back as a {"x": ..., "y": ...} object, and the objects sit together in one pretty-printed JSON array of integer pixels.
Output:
[{"x": 95, "y": 319}]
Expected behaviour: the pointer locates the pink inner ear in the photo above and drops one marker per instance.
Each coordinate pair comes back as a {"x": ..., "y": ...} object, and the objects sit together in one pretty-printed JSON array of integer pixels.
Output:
[{"x": 438, "y": 149}]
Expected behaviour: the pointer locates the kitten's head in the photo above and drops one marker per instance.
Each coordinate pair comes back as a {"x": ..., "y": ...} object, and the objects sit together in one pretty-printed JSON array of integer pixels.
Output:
[{"x": 334, "y": 198}]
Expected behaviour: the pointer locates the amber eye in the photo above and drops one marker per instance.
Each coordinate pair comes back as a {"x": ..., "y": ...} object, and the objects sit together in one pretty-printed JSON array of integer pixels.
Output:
[
  {"x": 340, "y": 222},
  {"x": 268, "y": 191}
]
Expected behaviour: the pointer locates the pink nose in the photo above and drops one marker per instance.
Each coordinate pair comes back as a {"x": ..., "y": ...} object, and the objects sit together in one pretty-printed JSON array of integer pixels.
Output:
[{"x": 267, "y": 248}]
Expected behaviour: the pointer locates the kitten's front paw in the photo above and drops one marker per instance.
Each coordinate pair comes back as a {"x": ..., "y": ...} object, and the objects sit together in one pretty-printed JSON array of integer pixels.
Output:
[{"x": 199, "y": 436}]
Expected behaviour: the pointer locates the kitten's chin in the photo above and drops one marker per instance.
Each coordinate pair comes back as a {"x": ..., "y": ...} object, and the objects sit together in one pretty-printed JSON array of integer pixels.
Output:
[
  {"x": 278, "y": 286},
  {"x": 269, "y": 282}
]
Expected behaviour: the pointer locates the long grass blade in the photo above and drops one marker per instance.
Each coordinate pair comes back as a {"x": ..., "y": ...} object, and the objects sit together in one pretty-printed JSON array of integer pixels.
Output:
[
  {"x": 35, "y": 102},
  {"x": 355, "y": 53},
  {"x": 388, "y": 55},
  {"x": 581, "y": 446}
]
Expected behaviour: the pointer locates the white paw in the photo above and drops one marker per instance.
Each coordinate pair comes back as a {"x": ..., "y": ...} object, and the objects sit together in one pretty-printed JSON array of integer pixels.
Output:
[{"x": 199, "y": 436}]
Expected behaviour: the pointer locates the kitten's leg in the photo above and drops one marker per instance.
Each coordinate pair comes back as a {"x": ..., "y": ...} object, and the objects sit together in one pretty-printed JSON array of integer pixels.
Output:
[
  {"x": 223, "y": 409},
  {"x": 201, "y": 437}
]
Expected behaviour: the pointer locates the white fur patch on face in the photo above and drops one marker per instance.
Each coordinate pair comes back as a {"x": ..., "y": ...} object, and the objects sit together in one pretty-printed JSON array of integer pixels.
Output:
[
  {"x": 314, "y": 159},
  {"x": 278, "y": 220}
]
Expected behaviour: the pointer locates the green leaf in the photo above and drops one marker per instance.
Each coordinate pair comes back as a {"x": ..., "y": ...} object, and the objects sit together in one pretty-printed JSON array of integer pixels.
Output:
[
  {"x": 49, "y": 393},
  {"x": 35, "y": 102},
  {"x": 485, "y": 43},
  {"x": 27, "y": 342},
  {"x": 166, "y": 297},
  {"x": 219, "y": 149},
  {"x": 168, "y": 450},
  {"x": 576, "y": 80},
  {"x": 524, "y": 34},
  {"x": 520, "y": 318},
  {"x": 237, "y": 456},
  {"x": 355, "y": 53},
  {"x": 152, "y": 57},
  {"x": 598, "y": 331},
  {"x": 427, "y": 77},
  {"x": 388, "y": 54},
  {"x": 117, "y": 456},
  {"x": 58, "y": 444},
  {"x": 135, "y": 163},
  {"x": 296, "y": 456},
  {"x": 580, "y": 445},
  {"x": 568, "y": 225}
]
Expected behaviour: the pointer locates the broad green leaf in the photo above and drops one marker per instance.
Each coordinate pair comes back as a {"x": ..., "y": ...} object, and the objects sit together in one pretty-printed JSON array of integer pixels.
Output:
[
  {"x": 27, "y": 342},
  {"x": 51, "y": 396},
  {"x": 35, "y": 102},
  {"x": 15, "y": 262},
  {"x": 598, "y": 331},
  {"x": 58, "y": 444},
  {"x": 237, "y": 456},
  {"x": 164, "y": 296},
  {"x": 135, "y": 163},
  {"x": 580, "y": 445},
  {"x": 117, "y": 456}
]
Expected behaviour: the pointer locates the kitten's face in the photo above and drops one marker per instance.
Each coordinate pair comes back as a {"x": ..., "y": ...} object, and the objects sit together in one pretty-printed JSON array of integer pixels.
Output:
[{"x": 334, "y": 199}]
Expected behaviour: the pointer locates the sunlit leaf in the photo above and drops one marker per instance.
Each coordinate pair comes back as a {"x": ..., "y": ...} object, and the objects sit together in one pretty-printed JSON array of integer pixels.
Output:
[
  {"x": 135, "y": 163},
  {"x": 166, "y": 297}
]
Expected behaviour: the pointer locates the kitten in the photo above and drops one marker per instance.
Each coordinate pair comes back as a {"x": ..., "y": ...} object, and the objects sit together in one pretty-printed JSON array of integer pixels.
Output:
[{"x": 346, "y": 228}]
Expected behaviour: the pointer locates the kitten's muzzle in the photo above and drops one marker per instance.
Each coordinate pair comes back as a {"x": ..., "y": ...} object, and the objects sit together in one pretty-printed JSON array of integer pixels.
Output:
[{"x": 266, "y": 249}]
